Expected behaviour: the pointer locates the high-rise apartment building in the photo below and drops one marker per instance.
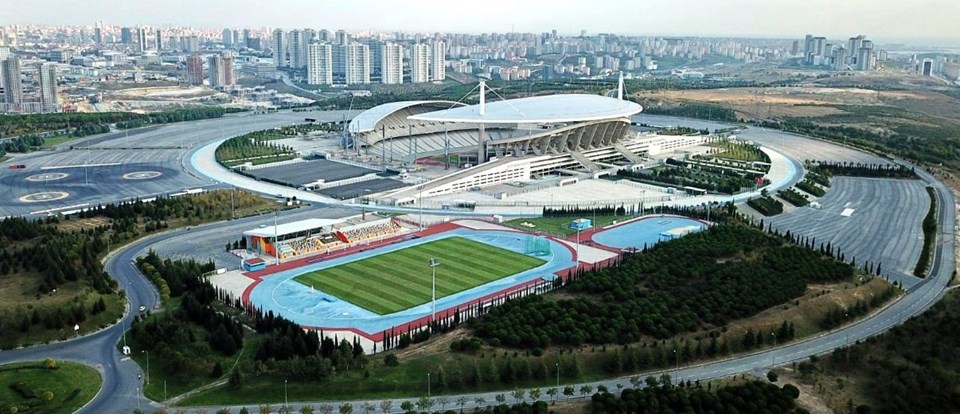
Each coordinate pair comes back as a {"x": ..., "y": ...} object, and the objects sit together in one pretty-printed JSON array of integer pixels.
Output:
[
  {"x": 141, "y": 40},
  {"x": 356, "y": 63},
  {"x": 320, "y": 64},
  {"x": 48, "y": 87},
  {"x": 126, "y": 35},
  {"x": 229, "y": 75},
  {"x": 391, "y": 63},
  {"x": 438, "y": 61},
  {"x": 226, "y": 37},
  {"x": 215, "y": 71},
  {"x": 279, "y": 48},
  {"x": 195, "y": 70},
  {"x": 297, "y": 49},
  {"x": 420, "y": 63},
  {"x": 343, "y": 38},
  {"x": 158, "y": 39},
  {"x": 98, "y": 35},
  {"x": 12, "y": 89}
]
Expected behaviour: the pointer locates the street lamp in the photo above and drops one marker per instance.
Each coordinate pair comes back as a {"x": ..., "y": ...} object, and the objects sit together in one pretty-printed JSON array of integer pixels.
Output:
[
  {"x": 428, "y": 385},
  {"x": 433, "y": 263},
  {"x": 148, "y": 365},
  {"x": 286, "y": 402},
  {"x": 276, "y": 236},
  {"x": 677, "y": 370},
  {"x": 774, "y": 352},
  {"x": 556, "y": 395}
]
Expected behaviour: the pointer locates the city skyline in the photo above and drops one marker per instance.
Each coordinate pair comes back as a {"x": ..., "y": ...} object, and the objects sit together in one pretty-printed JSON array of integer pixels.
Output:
[{"x": 929, "y": 20}]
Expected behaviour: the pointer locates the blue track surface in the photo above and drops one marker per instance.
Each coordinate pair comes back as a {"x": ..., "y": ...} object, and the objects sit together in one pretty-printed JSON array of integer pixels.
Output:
[
  {"x": 283, "y": 295},
  {"x": 643, "y": 232}
]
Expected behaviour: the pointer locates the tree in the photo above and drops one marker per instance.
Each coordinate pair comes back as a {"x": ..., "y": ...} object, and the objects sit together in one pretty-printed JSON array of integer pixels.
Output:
[
  {"x": 535, "y": 394},
  {"x": 236, "y": 378},
  {"x": 391, "y": 360},
  {"x": 243, "y": 410},
  {"x": 406, "y": 406},
  {"x": 772, "y": 376},
  {"x": 635, "y": 381},
  {"x": 568, "y": 391},
  {"x": 266, "y": 409},
  {"x": 518, "y": 395},
  {"x": 443, "y": 400},
  {"x": 326, "y": 409},
  {"x": 226, "y": 410},
  {"x": 424, "y": 403},
  {"x": 217, "y": 370},
  {"x": 501, "y": 398},
  {"x": 386, "y": 406},
  {"x": 368, "y": 408},
  {"x": 306, "y": 409},
  {"x": 479, "y": 401},
  {"x": 462, "y": 401},
  {"x": 50, "y": 363},
  {"x": 552, "y": 393},
  {"x": 47, "y": 396},
  {"x": 345, "y": 408},
  {"x": 585, "y": 390}
]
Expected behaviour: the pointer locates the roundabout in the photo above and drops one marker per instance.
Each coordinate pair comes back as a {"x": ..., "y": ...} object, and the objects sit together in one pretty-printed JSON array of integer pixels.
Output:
[
  {"x": 142, "y": 175},
  {"x": 43, "y": 197},
  {"x": 47, "y": 177}
]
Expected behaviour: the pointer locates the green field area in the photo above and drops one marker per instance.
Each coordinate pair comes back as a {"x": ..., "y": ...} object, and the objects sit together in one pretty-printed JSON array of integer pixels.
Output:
[
  {"x": 560, "y": 226},
  {"x": 399, "y": 280},
  {"x": 31, "y": 387}
]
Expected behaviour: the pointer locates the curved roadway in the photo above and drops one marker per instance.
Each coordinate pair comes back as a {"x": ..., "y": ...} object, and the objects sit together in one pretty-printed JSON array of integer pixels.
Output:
[{"x": 120, "y": 391}]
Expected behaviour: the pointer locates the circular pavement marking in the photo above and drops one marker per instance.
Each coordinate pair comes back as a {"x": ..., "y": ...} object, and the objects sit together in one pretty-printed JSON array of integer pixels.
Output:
[
  {"x": 142, "y": 175},
  {"x": 44, "y": 196},
  {"x": 47, "y": 177}
]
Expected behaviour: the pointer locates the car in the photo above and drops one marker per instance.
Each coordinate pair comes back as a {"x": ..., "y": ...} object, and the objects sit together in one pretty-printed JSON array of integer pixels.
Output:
[{"x": 143, "y": 308}]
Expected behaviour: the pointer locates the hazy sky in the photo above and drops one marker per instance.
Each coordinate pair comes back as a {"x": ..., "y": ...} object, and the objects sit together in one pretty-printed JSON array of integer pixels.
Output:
[{"x": 879, "y": 19}]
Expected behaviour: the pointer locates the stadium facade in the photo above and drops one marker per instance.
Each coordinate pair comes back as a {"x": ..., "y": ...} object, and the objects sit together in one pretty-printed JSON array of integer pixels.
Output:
[{"x": 508, "y": 140}]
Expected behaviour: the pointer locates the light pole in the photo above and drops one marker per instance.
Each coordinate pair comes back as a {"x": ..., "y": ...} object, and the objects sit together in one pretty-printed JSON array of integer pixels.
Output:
[
  {"x": 148, "y": 366},
  {"x": 428, "y": 385},
  {"x": 420, "y": 201},
  {"x": 276, "y": 236},
  {"x": 286, "y": 402},
  {"x": 677, "y": 369},
  {"x": 556, "y": 395},
  {"x": 433, "y": 263},
  {"x": 578, "y": 246},
  {"x": 774, "y": 352}
]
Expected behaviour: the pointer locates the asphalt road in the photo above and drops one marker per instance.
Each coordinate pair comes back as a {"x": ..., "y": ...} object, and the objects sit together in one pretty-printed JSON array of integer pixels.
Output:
[
  {"x": 168, "y": 147},
  {"x": 121, "y": 385}
]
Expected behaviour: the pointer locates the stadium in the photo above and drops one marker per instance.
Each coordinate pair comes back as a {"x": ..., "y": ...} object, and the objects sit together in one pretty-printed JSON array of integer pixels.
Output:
[{"x": 376, "y": 276}]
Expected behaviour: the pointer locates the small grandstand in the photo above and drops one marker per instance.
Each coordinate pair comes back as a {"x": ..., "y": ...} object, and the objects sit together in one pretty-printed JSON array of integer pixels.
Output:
[{"x": 312, "y": 236}]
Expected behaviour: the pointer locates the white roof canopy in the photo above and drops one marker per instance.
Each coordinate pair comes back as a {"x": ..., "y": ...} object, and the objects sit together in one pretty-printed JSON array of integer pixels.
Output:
[
  {"x": 294, "y": 227},
  {"x": 538, "y": 110}
]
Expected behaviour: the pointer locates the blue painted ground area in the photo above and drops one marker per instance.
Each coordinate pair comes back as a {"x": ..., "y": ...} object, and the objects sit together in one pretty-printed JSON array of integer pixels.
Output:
[
  {"x": 646, "y": 231},
  {"x": 310, "y": 307}
]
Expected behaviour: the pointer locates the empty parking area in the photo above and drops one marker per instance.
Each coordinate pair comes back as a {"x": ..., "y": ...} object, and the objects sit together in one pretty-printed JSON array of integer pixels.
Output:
[
  {"x": 362, "y": 188},
  {"x": 870, "y": 219},
  {"x": 302, "y": 173}
]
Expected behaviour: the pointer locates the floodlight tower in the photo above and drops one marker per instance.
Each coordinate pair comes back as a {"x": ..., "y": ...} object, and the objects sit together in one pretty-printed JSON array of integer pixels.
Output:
[{"x": 433, "y": 263}]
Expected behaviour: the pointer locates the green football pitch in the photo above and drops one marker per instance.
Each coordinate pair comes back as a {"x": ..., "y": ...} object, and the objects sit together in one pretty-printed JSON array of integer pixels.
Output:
[{"x": 392, "y": 282}]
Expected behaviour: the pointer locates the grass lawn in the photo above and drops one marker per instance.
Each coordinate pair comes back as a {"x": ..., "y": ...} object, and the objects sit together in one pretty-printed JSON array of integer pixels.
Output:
[
  {"x": 400, "y": 280},
  {"x": 561, "y": 225},
  {"x": 72, "y": 385},
  {"x": 57, "y": 140}
]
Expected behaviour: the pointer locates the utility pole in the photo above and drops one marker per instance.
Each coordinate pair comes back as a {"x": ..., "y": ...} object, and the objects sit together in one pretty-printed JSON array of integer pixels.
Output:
[
  {"x": 276, "y": 246},
  {"x": 433, "y": 263}
]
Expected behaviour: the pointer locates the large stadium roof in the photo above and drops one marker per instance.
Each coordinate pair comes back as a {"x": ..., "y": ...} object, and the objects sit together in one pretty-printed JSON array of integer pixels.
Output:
[
  {"x": 367, "y": 120},
  {"x": 538, "y": 110},
  {"x": 293, "y": 227}
]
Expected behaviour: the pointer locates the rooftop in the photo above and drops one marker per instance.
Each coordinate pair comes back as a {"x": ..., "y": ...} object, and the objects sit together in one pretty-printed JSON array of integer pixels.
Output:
[
  {"x": 294, "y": 227},
  {"x": 538, "y": 110},
  {"x": 367, "y": 120}
]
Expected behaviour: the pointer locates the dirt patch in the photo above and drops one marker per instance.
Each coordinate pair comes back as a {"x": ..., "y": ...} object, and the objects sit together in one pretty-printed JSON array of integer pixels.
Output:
[
  {"x": 82, "y": 223},
  {"x": 809, "y": 398},
  {"x": 437, "y": 345}
]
